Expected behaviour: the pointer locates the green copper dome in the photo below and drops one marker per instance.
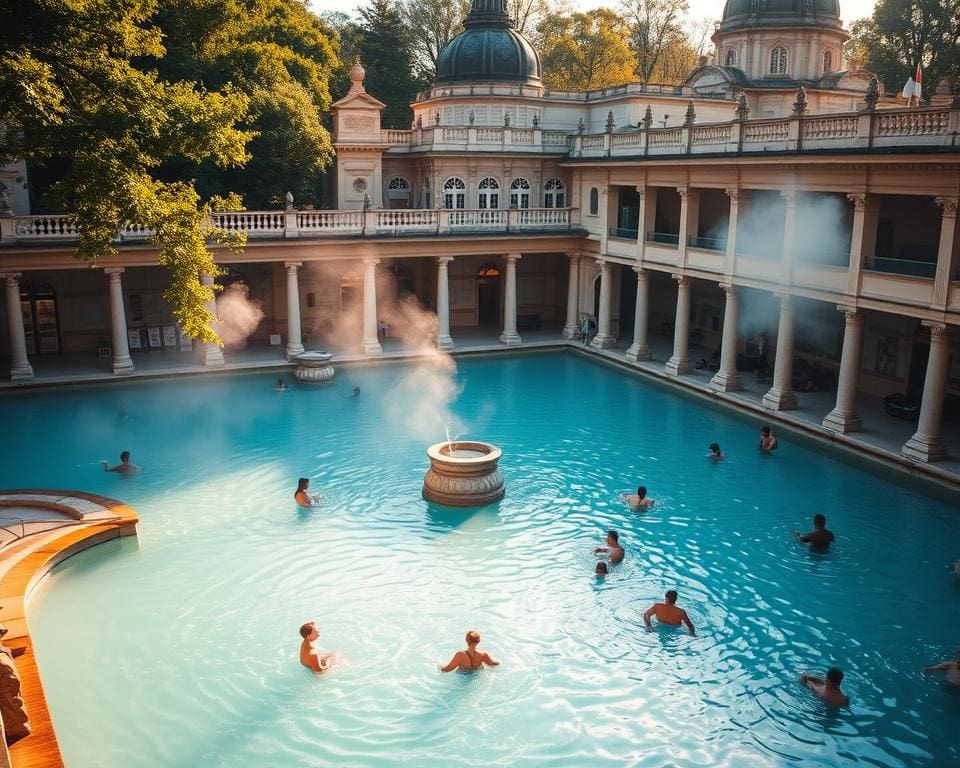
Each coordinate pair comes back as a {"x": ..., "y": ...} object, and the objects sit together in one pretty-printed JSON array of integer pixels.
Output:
[{"x": 743, "y": 14}]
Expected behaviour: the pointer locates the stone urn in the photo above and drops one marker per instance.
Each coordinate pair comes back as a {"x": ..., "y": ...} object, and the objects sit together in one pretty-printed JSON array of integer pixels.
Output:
[
  {"x": 314, "y": 367},
  {"x": 463, "y": 474}
]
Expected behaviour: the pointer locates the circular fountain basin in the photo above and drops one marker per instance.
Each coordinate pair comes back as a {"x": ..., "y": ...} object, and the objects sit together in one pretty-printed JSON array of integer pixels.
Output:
[
  {"x": 463, "y": 473},
  {"x": 314, "y": 367}
]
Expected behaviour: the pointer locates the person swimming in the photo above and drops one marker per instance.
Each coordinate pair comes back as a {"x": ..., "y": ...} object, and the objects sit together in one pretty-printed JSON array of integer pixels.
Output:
[
  {"x": 819, "y": 538},
  {"x": 639, "y": 499},
  {"x": 305, "y": 499},
  {"x": 668, "y": 613},
  {"x": 471, "y": 659},
  {"x": 613, "y": 547},
  {"x": 768, "y": 441},
  {"x": 281, "y": 386},
  {"x": 356, "y": 391},
  {"x": 125, "y": 467},
  {"x": 715, "y": 453},
  {"x": 310, "y": 655},
  {"x": 951, "y": 667},
  {"x": 601, "y": 570},
  {"x": 827, "y": 689}
]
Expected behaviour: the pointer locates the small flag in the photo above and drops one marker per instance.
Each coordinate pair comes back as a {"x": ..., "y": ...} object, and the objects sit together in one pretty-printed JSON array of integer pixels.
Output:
[
  {"x": 918, "y": 82},
  {"x": 907, "y": 92}
]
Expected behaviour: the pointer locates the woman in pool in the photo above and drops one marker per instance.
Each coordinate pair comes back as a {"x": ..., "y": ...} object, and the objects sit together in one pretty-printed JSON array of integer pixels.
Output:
[
  {"x": 471, "y": 659},
  {"x": 305, "y": 499}
]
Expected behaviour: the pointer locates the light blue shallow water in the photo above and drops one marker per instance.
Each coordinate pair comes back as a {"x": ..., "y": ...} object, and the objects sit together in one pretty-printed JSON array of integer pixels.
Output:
[{"x": 182, "y": 652}]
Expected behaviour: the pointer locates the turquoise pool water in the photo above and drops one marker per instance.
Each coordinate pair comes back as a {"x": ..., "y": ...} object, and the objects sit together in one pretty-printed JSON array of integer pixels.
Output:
[{"x": 182, "y": 652}]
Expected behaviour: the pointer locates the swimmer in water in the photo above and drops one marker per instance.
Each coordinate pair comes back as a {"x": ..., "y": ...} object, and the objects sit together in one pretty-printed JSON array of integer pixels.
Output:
[
  {"x": 310, "y": 655},
  {"x": 668, "y": 613},
  {"x": 827, "y": 689},
  {"x": 639, "y": 499},
  {"x": 471, "y": 659},
  {"x": 281, "y": 386},
  {"x": 819, "y": 538},
  {"x": 356, "y": 391},
  {"x": 716, "y": 454},
  {"x": 613, "y": 547},
  {"x": 124, "y": 467},
  {"x": 601, "y": 570},
  {"x": 952, "y": 668},
  {"x": 768, "y": 441},
  {"x": 305, "y": 499}
]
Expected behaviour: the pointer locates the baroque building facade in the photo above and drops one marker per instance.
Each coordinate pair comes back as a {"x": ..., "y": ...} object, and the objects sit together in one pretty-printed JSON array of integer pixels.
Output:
[{"x": 775, "y": 215}]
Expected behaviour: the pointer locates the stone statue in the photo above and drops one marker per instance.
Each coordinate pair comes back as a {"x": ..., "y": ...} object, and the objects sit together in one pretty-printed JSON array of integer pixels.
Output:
[
  {"x": 5, "y": 209},
  {"x": 289, "y": 201},
  {"x": 16, "y": 723}
]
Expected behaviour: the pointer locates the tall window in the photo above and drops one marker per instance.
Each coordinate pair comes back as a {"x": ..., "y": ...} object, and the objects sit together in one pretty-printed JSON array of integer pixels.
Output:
[
  {"x": 827, "y": 62},
  {"x": 553, "y": 196},
  {"x": 454, "y": 193},
  {"x": 519, "y": 193},
  {"x": 731, "y": 58},
  {"x": 427, "y": 197},
  {"x": 398, "y": 192},
  {"x": 778, "y": 61},
  {"x": 594, "y": 201},
  {"x": 489, "y": 193}
]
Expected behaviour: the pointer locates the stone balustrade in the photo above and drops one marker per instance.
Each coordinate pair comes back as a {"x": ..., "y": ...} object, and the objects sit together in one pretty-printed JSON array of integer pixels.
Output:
[{"x": 311, "y": 224}]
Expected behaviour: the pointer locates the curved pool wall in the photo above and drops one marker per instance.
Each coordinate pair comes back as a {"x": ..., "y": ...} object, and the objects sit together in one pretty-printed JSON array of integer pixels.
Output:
[{"x": 183, "y": 652}]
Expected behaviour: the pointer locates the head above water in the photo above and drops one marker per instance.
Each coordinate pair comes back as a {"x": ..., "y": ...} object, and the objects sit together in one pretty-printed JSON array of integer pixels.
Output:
[
  {"x": 125, "y": 457},
  {"x": 765, "y": 431},
  {"x": 714, "y": 448},
  {"x": 602, "y": 569},
  {"x": 472, "y": 637},
  {"x": 671, "y": 596},
  {"x": 642, "y": 491},
  {"x": 307, "y": 630},
  {"x": 834, "y": 676},
  {"x": 302, "y": 484},
  {"x": 356, "y": 391},
  {"x": 819, "y": 521},
  {"x": 613, "y": 537}
]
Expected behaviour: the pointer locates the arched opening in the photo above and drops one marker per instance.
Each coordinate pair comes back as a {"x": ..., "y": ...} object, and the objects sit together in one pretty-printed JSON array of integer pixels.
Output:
[
  {"x": 488, "y": 296},
  {"x": 398, "y": 193},
  {"x": 454, "y": 194},
  {"x": 594, "y": 201},
  {"x": 41, "y": 318},
  {"x": 553, "y": 195},
  {"x": 778, "y": 61},
  {"x": 827, "y": 62},
  {"x": 488, "y": 193},
  {"x": 520, "y": 193},
  {"x": 731, "y": 57}
]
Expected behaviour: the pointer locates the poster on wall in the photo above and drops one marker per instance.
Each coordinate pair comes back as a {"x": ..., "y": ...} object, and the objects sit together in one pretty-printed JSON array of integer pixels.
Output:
[
  {"x": 133, "y": 338},
  {"x": 169, "y": 336},
  {"x": 153, "y": 337},
  {"x": 887, "y": 353}
]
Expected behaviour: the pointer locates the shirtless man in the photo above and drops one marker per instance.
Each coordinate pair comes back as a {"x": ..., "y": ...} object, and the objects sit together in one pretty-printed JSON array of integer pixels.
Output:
[
  {"x": 768, "y": 441},
  {"x": 952, "y": 668},
  {"x": 471, "y": 659},
  {"x": 668, "y": 613},
  {"x": 124, "y": 467},
  {"x": 310, "y": 656},
  {"x": 827, "y": 689},
  {"x": 613, "y": 547},
  {"x": 819, "y": 538},
  {"x": 639, "y": 499}
]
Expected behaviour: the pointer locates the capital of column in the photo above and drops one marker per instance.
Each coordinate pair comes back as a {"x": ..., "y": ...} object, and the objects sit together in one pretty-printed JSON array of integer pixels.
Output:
[
  {"x": 12, "y": 278},
  {"x": 858, "y": 199},
  {"x": 682, "y": 280},
  {"x": 735, "y": 194},
  {"x": 784, "y": 299},
  {"x": 370, "y": 261},
  {"x": 728, "y": 290},
  {"x": 939, "y": 332},
  {"x": 682, "y": 191},
  {"x": 207, "y": 280},
  {"x": 642, "y": 274},
  {"x": 442, "y": 261},
  {"x": 851, "y": 315},
  {"x": 949, "y": 206},
  {"x": 292, "y": 266},
  {"x": 574, "y": 258},
  {"x": 114, "y": 272},
  {"x": 789, "y": 195},
  {"x": 512, "y": 258},
  {"x": 641, "y": 190}
]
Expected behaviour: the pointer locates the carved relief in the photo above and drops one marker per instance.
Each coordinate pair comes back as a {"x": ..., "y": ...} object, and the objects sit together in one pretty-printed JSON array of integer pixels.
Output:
[{"x": 358, "y": 122}]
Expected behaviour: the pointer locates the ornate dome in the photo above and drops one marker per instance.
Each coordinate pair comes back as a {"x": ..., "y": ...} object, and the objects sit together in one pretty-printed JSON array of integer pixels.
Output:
[
  {"x": 741, "y": 14},
  {"x": 489, "y": 50}
]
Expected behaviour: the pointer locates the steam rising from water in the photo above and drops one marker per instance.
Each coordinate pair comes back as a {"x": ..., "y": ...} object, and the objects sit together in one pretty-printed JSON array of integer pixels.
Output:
[{"x": 239, "y": 316}]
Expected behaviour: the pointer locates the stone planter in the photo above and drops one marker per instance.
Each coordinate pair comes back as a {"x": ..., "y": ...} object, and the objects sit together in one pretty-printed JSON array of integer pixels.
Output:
[
  {"x": 463, "y": 474},
  {"x": 314, "y": 367}
]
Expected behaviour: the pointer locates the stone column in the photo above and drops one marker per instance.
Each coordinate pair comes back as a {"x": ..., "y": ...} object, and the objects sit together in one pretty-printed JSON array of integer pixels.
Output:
[
  {"x": 510, "y": 337},
  {"x": 122, "y": 363},
  {"x": 689, "y": 220},
  {"x": 679, "y": 363},
  {"x": 727, "y": 379},
  {"x": 843, "y": 418},
  {"x": 212, "y": 351},
  {"x": 604, "y": 338},
  {"x": 927, "y": 442},
  {"x": 789, "y": 234},
  {"x": 863, "y": 237},
  {"x": 444, "y": 340},
  {"x": 945, "y": 256},
  {"x": 294, "y": 331},
  {"x": 573, "y": 298},
  {"x": 371, "y": 344},
  {"x": 20, "y": 368},
  {"x": 639, "y": 350},
  {"x": 781, "y": 396}
]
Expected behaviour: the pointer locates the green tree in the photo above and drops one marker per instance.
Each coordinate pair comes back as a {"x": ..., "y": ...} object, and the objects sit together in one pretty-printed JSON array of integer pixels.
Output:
[
  {"x": 658, "y": 38},
  {"x": 583, "y": 51},
  {"x": 432, "y": 24},
  {"x": 69, "y": 89},
  {"x": 903, "y": 33}
]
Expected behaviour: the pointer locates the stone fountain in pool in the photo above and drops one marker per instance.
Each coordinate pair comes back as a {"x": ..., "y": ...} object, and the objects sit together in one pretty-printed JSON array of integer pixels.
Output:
[{"x": 463, "y": 473}]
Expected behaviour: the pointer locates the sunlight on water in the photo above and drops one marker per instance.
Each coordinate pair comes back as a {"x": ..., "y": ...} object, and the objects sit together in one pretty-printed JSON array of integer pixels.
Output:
[{"x": 182, "y": 652}]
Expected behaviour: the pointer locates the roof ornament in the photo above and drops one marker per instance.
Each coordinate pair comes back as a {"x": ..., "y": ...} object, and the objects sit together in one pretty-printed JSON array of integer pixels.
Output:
[
  {"x": 357, "y": 73},
  {"x": 691, "y": 114},
  {"x": 800, "y": 105},
  {"x": 536, "y": 120},
  {"x": 472, "y": 117},
  {"x": 647, "y": 118},
  {"x": 288, "y": 205},
  {"x": 506, "y": 119},
  {"x": 743, "y": 109},
  {"x": 873, "y": 95},
  {"x": 610, "y": 122},
  {"x": 580, "y": 126},
  {"x": 436, "y": 117},
  {"x": 419, "y": 121}
]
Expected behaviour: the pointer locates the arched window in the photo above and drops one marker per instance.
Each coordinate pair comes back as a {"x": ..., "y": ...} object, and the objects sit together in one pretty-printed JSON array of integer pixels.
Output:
[
  {"x": 519, "y": 193},
  {"x": 398, "y": 192},
  {"x": 778, "y": 61},
  {"x": 454, "y": 193},
  {"x": 489, "y": 193},
  {"x": 594, "y": 201},
  {"x": 553, "y": 196},
  {"x": 427, "y": 197},
  {"x": 827, "y": 62},
  {"x": 731, "y": 57}
]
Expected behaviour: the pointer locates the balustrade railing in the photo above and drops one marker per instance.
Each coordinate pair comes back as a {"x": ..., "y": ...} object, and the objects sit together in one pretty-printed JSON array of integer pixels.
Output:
[
  {"x": 913, "y": 122},
  {"x": 840, "y": 127},
  {"x": 45, "y": 228},
  {"x": 765, "y": 130},
  {"x": 329, "y": 222},
  {"x": 252, "y": 223}
]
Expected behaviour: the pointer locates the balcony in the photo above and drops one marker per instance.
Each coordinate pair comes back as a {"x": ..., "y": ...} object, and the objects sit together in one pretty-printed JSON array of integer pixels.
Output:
[
  {"x": 910, "y": 267},
  {"x": 663, "y": 238},
  {"x": 623, "y": 233},
  {"x": 709, "y": 243}
]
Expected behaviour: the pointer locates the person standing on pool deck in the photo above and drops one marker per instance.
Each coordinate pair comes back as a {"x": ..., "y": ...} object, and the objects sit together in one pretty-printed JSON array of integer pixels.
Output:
[
  {"x": 669, "y": 613},
  {"x": 827, "y": 689},
  {"x": 124, "y": 467},
  {"x": 471, "y": 659},
  {"x": 639, "y": 499},
  {"x": 819, "y": 538},
  {"x": 613, "y": 547},
  {"x": 952, "y": 668},
  {"x": 303, "y": 498},
  {"x": 768, "y": 441},
  {"x": 310, "y": 656}
]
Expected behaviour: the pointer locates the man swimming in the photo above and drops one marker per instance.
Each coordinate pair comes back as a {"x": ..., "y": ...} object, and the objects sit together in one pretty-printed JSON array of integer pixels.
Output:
[
  {"x": 952, "y": 668},
  {"x": 639, "y": 499},
  {"x": 281, "y": 386},
  {"x": 310, "y": 656},
  {"x": 819, "y": 538},
  {"x": 471, "y": 659},
  {"x": 827, "y": 689},
  {"x": 715, "y": 453},
  {"x": 613, "y": 547},
  {"x": 768, "y": 441},
  {"x": 124, "y": 467},
  {"x": 669, "y": 613}
]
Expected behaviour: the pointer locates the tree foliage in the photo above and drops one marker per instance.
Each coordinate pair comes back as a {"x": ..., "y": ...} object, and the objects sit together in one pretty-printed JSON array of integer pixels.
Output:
[
  {"x": 70, "y": 90},
  {"x": 583, "y": 51},
  {"x": 658, "y": 39},
  {"x": 432, "y": 24},
  {"x": 902, "y": 33}
]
